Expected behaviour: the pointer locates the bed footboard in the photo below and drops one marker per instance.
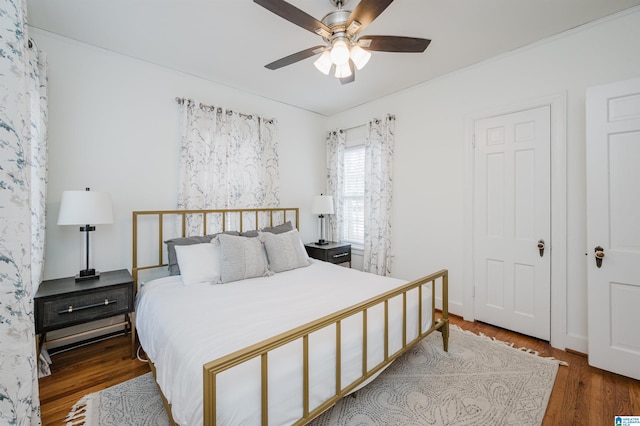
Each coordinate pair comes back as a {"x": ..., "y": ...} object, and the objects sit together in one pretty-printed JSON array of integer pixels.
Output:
[{"x": 439, "y": 322}]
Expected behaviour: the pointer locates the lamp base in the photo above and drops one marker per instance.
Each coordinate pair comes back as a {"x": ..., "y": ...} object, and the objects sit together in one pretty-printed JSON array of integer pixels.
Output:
[
  {"x": 87, "y": 274},
  {"x": 322, "y": 242}
]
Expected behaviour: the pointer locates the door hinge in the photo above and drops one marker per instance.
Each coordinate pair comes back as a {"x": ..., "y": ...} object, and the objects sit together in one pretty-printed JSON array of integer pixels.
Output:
[
  {"x": 473, "y": 141},
  {"x": 473, "y": 292}
]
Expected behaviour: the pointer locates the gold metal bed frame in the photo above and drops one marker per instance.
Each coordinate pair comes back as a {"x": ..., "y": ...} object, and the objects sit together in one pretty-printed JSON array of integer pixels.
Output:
[{"x": 439, "y": 319}]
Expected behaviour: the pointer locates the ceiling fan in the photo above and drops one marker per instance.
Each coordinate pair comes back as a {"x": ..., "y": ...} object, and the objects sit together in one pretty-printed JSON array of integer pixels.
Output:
[{"x": 344, "y": 51}]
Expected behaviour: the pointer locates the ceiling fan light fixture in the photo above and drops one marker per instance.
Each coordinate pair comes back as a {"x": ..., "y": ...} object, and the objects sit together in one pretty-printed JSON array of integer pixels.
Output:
[
  {"x": 340, "y": 52},
  {"x": 344, "y": 48},
  {"x": 359, "y": 56},
  {"x": 324, "y": 63},
  {"x": 343, "y": 70}
]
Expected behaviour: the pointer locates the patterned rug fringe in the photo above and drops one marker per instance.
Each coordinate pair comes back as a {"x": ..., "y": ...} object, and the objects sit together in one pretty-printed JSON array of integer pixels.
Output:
[
  {"x": 511, "y": 345},
  {"x": 81, "y": 411}
]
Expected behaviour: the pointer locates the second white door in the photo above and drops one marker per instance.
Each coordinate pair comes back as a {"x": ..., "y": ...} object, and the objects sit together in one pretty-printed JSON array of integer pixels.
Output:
[
  {"x": 613, "y": 226},
  {"x": 512, "y": 225}
]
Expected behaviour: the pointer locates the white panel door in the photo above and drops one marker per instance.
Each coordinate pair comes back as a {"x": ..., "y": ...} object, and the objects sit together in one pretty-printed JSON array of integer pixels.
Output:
[
  {"x": 613, "y": 226},
  {"x": 512, "y": 211}
]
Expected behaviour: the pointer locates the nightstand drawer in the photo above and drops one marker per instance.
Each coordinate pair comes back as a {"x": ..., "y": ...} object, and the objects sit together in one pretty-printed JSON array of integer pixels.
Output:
[
  {"x": 339, "y": 255},
  {"x": 83, "y": 307}
]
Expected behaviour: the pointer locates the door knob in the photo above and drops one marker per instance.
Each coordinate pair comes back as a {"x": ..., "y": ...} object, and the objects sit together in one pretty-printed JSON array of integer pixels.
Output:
[
  {"x": 541, "y": 247},
  {"x": 599, "y": 256}
]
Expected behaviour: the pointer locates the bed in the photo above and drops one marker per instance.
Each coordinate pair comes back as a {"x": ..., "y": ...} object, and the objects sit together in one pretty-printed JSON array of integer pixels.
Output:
[{"x": 265, "y": 347}]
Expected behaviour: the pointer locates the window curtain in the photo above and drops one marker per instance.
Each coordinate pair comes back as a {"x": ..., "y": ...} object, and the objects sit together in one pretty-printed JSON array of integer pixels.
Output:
[
  {"x": 38, "y": 113},
  {"x": 336, "y": 144},
  {"x": 378, "y": 179},
  {"x": 227, "y": 160},
  {"x": 23, "y": 150}
]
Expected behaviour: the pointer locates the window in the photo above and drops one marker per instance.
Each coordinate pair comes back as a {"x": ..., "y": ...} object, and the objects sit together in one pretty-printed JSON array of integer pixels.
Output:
[{"x": 353, "y": 201}]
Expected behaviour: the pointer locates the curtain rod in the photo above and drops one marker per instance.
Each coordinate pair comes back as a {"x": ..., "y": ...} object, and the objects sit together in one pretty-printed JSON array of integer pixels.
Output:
[
  {"x": 377, "y": 120},
  {"x": 181, "y": 101},
  {"x": 352, "y": 128}
]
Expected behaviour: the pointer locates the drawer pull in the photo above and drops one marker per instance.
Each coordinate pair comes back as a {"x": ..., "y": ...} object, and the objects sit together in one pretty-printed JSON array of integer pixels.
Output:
[
  {"x": 80, "y": 308},
  {"x": 340, "y": 255}
]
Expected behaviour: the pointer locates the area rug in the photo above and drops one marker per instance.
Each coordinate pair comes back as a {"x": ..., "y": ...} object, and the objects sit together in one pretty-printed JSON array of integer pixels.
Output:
[
  {"x": 135, "y": 402},
  {"x": 480, "y": 381}
]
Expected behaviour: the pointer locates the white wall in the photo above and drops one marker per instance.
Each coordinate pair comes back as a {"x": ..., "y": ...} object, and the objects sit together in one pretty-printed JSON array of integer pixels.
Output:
[
  {"x": 113, "y": 126},
  {"x": 429, "y": 169}
]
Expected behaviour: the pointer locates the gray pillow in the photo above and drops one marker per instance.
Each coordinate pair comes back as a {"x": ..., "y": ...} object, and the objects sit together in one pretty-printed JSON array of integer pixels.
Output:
[
  {"x": 279, "y": 229},
  {"x": 174, "y": 269},
  {"x": 241, "y": 258},
  {"x": 285, "y": 251}
]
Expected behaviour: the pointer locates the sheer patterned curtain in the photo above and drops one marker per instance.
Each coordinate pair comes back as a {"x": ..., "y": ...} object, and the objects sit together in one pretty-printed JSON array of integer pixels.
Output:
[
  {"x": 227, "y": 160},
  {"x": 378, "y": 175},
  {"x": 38, "y": 149},
  {"x": 22, "y": 148},
  {"x": 336, "y": 144},
  {"x": 38, "y": 117}
]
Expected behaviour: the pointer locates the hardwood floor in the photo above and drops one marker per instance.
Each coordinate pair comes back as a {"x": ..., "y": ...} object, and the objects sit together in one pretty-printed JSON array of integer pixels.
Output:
[
  {"x": 84, "y": 370},
  {"x": 582, "y": 395}
]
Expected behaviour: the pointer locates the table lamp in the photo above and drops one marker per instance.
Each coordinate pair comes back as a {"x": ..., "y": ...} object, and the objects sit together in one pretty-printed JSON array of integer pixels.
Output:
[
  {"x": 321, "y": 205},
  {"x": 85, "y": 208}
]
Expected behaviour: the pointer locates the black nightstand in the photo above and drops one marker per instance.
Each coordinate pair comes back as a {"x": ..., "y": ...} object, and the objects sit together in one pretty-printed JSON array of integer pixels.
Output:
[
  {"x": 332, "y": 252},
  {"x": 64, "y": 302}
]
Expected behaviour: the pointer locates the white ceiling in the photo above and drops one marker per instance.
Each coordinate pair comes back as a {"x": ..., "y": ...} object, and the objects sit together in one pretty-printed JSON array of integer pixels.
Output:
[{"x": 230, "y": 41}]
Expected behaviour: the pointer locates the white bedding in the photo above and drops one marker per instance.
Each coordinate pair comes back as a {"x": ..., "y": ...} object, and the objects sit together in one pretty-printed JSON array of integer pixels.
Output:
[{"x": 183, "y": 327}]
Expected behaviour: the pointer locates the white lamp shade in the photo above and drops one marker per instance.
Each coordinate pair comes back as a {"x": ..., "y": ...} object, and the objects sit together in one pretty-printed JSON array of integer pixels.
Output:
[
  {"x": 322, "y": 204},
  {"x": 323, "y": 63},
  {"x": 85, "y": 208},
  {"x": 359, "y": 56}
]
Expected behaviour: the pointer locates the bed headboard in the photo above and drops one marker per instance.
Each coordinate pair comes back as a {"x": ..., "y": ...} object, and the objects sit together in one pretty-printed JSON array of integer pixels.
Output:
[{"x": 152, "y": 227}]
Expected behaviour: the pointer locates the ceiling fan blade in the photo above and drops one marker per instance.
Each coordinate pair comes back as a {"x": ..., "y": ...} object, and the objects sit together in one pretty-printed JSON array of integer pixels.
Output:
[
  {"x": 394, "y": 44},
  {"x": 288, "y": 60},
  {"x": 365, "y": 12},
  {"x": 352, "y": 77},
  {"x": 294, "y": 15}
]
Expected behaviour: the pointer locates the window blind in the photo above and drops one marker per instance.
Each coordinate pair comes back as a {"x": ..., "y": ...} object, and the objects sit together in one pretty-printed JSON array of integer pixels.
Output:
[{"x": 354, "y": 195}]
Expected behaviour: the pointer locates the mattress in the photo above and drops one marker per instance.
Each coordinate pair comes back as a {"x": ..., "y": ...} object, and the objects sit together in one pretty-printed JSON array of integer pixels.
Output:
[{"x": 183, "y": 327}]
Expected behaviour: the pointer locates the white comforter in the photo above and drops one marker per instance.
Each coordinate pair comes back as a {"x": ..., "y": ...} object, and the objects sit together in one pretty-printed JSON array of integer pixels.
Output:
[{"x": 183, "y": 327}]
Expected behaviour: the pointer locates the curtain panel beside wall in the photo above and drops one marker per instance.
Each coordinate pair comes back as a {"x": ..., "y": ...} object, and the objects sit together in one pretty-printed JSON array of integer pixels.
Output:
[
  {"x": 38, "y": 165},
  {"x": 227, "y": 160},
  {"x": 23, "y": 164},
  {"x": 378, "y": 190}
]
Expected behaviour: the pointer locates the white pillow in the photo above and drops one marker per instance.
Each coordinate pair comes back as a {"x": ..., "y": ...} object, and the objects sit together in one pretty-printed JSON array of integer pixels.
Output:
[
  {"x": 285, "y": 251},
  {"x": 241, "y": 258},
  {"x": 199, "y": 263}
]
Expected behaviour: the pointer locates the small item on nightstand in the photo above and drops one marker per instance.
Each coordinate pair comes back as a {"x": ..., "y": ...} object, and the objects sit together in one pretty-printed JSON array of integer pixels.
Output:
[{"x": 322, "y": 204}]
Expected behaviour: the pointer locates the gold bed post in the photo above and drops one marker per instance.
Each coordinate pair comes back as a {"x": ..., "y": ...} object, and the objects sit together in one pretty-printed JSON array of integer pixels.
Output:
[{"x": 445, "y": 312}]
